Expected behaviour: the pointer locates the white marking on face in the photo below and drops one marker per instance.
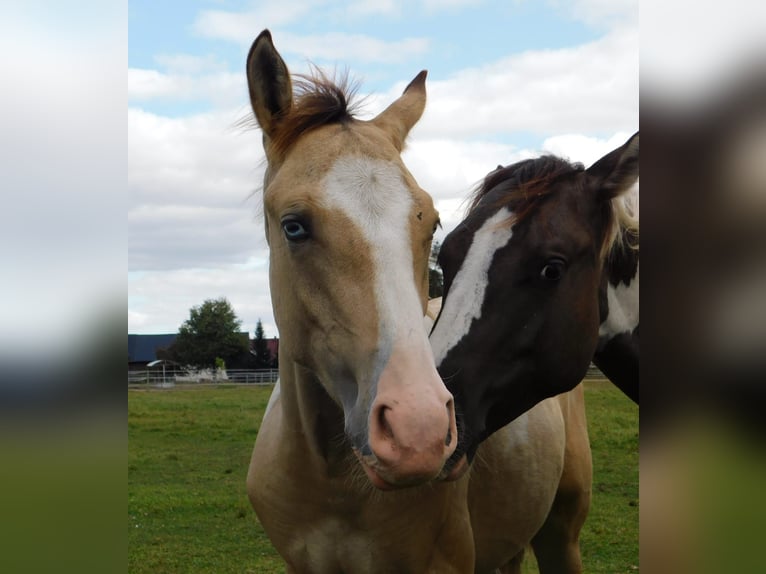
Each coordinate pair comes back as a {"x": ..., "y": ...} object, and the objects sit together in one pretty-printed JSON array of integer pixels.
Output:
[
  {"x": 466, "y": 294},
  {"x": 623, "y": 309},
  {"x": 373, "y": 194}
]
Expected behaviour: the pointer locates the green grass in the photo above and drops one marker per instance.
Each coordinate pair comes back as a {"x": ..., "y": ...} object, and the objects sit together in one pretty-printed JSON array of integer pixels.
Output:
[
  {"x": 609, "y": 541},
  {"x": 188, "y": 454}
]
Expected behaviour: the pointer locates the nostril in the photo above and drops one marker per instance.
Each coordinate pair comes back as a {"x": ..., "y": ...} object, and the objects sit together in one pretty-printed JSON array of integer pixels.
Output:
[
  {"x": 385, "y": 427},
  {"x": 450, "y": 415}
]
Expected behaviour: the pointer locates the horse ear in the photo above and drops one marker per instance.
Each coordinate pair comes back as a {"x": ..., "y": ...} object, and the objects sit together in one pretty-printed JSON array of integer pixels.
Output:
[
  {"x": 271, "y": 91},
  {"x": 617, "y": 171},
  {"x": 399, "y": 118}
]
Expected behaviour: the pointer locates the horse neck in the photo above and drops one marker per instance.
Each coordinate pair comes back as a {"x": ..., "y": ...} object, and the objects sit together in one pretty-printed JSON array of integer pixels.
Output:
[
  {"x": 312, "y": 420},
  {"x": 617, "y": 354},
  {"x": 618, "y": 290}
]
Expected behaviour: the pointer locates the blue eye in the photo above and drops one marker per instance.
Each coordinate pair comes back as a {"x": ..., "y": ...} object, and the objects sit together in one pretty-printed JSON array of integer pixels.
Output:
[{"x": 294, "y": 230}]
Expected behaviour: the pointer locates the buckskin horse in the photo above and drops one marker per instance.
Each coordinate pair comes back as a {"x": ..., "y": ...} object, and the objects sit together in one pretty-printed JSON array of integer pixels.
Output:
[
  {"x": 540, "y": 278},
  {"x": 347, "y": 472},
  {"x": 359, "y": 404}
]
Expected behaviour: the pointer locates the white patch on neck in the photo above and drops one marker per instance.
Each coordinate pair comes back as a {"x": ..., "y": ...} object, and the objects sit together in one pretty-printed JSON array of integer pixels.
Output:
[
  {"x": 623, "y": 309},
  {"x": 373, "y": 194},
  {"x": 466, "y": 294}
]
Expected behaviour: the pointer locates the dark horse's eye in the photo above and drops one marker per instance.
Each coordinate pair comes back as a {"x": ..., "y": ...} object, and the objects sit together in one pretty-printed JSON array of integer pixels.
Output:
[
  {"x": 553, "y": 270},
  {"x": 294, "y": 229}
]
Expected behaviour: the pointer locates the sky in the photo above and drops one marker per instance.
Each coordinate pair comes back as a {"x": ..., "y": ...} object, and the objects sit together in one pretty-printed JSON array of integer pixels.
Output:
[{"x": 506, "y": 80}]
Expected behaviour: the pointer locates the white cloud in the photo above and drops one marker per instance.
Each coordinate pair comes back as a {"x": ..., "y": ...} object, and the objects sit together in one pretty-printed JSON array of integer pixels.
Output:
[
  {"x": 448, "y": 168},
  {"x": 241, "y": 26},
  {"x": 190, "y": 182},
  {"x": 194, "y": 232},
  {"x": 152, "y": 84},
  {"x": 188, "y": 64},
  {"x": 588, "y": 88},
  {"x": 222, "y": 88},
  {"x": 582, "y": 148},
  {"x": 600, "y": 13},
  {"x": 352, "y": 47},
  {"x": 160, "y": 301},
  {"x": 329, "y": 46}
]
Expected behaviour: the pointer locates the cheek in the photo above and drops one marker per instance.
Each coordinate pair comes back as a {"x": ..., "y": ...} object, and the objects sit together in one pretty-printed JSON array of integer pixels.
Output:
[{"x": 576, "y": 323}]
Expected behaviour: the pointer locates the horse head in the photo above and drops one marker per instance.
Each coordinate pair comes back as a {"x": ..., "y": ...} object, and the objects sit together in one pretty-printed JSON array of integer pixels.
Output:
[
  {"x": 522, "y": 273},
  {"x": 347, "y": 224}
]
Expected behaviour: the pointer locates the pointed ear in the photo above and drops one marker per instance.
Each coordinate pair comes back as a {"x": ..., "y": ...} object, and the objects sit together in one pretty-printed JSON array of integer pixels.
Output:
[
  {"x": 271, "y": 91},
  {"x": 617, "y": 171},
  {"x": 399, "y": 118}
]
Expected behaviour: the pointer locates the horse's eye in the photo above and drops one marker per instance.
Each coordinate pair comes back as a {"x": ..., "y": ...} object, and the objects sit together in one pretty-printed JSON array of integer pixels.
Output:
[
  {"x": 553, "y": 270},
  {"x": 294, "y": 229}
]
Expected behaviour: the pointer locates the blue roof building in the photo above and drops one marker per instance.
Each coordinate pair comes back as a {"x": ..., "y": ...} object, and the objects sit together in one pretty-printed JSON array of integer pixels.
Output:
[{"x": 142, "y": 349}]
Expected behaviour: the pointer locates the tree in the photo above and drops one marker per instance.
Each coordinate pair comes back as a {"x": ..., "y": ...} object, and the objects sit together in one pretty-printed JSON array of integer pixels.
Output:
[
  {"x": 211, "y": 332},
  {"x": 435, "y": 279},
  {"x": 261, "y": 348}
]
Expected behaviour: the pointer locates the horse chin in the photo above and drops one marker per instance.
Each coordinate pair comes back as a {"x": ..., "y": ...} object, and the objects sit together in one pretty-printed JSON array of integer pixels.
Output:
[{"x": 379, "y": 479}]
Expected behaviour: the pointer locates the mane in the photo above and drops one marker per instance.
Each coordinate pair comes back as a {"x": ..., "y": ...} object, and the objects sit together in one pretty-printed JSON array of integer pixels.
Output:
[
  {"x": 318, "y": 101},
  {"x": 526, "y": 183}
]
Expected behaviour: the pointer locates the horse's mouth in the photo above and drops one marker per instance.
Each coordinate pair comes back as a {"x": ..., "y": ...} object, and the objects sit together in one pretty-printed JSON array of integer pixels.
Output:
[
  {"x": 375, "y": 478},
  {"x": 450, "y": 472},
  {"x": 454, "y": 470},
  {"x": 380, "y": 479}
]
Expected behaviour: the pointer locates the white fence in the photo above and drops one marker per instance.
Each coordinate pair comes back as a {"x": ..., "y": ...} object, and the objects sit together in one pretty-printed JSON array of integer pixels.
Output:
[{"x": 169, "y": 377}]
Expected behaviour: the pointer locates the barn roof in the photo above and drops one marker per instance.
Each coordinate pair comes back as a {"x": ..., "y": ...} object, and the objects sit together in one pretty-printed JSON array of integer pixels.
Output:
[{"x": 143, "y": 348}]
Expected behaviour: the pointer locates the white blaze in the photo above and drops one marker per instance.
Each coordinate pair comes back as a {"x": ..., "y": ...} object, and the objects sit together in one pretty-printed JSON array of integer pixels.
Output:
[
  {"x": 466, "y": 294},
  {"x": 374, "y": 196}
]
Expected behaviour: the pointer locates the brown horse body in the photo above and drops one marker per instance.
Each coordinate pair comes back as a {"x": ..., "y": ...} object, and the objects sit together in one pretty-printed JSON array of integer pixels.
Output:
[{"x": 360, "y": 411}]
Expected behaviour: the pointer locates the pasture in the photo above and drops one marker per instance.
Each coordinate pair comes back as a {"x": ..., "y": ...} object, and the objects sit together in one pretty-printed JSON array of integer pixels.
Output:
[{"x": 189, "y": 450}]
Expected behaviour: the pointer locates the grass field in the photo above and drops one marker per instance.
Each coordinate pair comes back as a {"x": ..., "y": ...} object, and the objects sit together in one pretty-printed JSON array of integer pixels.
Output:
[{"x": 188, "y": 454}]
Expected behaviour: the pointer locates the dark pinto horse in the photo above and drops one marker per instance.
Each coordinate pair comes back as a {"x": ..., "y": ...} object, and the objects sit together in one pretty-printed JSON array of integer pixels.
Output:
[{"x": 539, "y": 279}]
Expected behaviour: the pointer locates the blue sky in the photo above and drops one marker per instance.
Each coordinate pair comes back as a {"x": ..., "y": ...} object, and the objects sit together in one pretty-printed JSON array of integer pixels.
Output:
[
  {"x": 506, "y": 80},
  {"x": 443, "y": 39}
]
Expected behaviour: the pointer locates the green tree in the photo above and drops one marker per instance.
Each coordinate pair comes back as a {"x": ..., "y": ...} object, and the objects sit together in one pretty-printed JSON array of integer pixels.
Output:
[
  {"x": 435, "y": 279},
  {"x": 211, "y": 332},
  {"x": 261, "y": 348}
]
